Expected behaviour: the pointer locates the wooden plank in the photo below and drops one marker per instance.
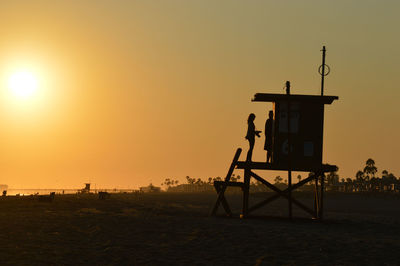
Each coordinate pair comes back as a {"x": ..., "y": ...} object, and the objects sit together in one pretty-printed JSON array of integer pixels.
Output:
[
  {"x": 289, "y": 193},
  {"x": 274, "y": 197},
  {"x": 321, "y": 202},
  {"x": 225, "y": 204},
  {"x": 264, "y": 202},
  {"x": 267, "y": 166},
  {"x": 289, "y": 151},
  {"x": 274, "y": 97},
  {"x": 233, "y": 164},
  {"x": 228, "y": 176},
  {"x": 268, "y": 184},
  {"x": 304, "y": 181},
  {"x": 281, "y": 193},
  {"x": 316, "y": 199},
  {"x": 246, "y": 191}
]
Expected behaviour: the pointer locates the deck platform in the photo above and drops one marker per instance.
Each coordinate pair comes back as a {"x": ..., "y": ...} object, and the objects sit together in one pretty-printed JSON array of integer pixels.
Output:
[
  {"x": 325, "y": 168},
  {"x": 317, "y": 176}
]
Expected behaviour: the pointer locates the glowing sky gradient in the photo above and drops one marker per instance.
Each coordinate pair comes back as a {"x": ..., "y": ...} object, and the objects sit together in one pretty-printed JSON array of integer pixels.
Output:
[{"x": 133, "y": 92}]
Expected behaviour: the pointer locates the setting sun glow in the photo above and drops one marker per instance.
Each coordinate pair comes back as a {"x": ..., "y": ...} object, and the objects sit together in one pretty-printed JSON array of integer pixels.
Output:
[{"x": 23, "y": 84}]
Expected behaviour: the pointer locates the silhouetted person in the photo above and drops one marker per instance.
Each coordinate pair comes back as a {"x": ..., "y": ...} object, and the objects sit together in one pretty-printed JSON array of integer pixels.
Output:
[
  {"x": 268, "y": 135},
  {"x": 251, "y": 135}
]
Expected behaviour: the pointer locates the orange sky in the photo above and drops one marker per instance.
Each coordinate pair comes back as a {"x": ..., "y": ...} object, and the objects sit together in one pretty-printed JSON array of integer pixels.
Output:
[{"x": 132, "y": 92}]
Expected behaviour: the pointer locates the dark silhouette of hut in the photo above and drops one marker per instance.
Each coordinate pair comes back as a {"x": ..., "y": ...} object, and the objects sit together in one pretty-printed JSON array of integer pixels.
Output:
[
  {"x": 86, "y": 189},
  {"x": 150, "y": 188},
  {"x": 306, "y": 129},
  {"x": 297, "y": 145},
  {"x": 301, "y": 129}
]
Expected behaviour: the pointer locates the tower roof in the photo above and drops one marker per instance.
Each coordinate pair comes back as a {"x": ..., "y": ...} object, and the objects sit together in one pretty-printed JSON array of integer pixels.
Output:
[{"x": 274, "y": 97}]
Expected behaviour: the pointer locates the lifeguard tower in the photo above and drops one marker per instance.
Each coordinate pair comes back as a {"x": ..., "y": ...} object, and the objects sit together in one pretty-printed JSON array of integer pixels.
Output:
[{"x": 297, "y": 145}]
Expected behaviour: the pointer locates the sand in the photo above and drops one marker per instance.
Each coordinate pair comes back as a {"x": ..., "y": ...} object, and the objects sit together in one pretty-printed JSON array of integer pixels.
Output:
[{"x": 174, "y": 229}]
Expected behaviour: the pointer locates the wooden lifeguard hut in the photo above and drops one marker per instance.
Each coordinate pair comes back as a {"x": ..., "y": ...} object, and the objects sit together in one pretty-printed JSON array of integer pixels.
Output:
[{"x": 297, "y": 145}]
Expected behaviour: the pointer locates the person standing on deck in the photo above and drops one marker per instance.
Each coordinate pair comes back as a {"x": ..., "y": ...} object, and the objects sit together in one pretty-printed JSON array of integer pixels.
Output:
[
  {"x": 251, "y": 135},
  {"x": 268, "y": 135}
]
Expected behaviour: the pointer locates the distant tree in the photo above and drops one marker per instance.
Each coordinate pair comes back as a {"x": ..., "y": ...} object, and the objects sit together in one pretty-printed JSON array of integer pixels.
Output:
[
  {"x": 392, "y": 180},
  {"x": 299, "y": 178},
  {"x": 369, "y": 174},
  {"x": 370, "y": 169},
  {"x": 349, "y": 184},
  {"x": 278, "y": 180},
  {"x": 217, "y": 178},
  {"x": 388, "y": 180},
  {"x": 190, "y": 181},
  {"x": 360, "y": 176},
  {"x": 332, "y": 178},
  {"x": 167, "y": 182},
  {"x": 360, "y": 181},
  {"x": 385, "y": 173},
  {"x": 199, "y": 182},
  {"x": 235, "y": 178},
  {"x": 375, "y": 184},
  {"x": 210, "y": 181}
]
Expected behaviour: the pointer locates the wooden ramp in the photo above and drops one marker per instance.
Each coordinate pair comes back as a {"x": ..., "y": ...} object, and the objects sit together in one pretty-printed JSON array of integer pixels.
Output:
[{"x": 317, "y": 176}]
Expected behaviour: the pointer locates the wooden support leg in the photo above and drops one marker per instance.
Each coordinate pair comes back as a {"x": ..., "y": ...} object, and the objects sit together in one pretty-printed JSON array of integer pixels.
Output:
[
  {"x": 316, "y": 198},
  {"x": 227, "y": 178},
  {"x": 263, "y": 203},
  {"x": 246, "y": 191},
  {"x": 225, "y": 204},
  {"x": 321, "y": 205},
  {"x": 274, "y": 197},
  {"x": 290, "y": 193},
  {"x": 281, "y": 193}
]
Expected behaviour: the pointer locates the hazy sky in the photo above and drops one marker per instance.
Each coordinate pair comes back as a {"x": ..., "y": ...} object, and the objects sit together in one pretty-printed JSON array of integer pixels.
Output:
[{"x": 132, "y": 92}]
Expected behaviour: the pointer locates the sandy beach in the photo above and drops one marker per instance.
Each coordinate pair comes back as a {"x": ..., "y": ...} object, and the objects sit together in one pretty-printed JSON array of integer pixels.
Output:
[{"x": 175, "y": 229}]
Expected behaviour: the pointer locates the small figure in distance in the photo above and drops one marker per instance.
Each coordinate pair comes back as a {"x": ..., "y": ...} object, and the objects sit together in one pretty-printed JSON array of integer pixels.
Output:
[
  {"x": 268, "y": 135},
  {"x": 251, "y": 135}
]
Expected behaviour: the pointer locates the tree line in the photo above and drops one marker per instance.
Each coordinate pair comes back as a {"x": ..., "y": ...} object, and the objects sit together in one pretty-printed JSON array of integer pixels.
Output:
[{"x": 366, "y": 179}]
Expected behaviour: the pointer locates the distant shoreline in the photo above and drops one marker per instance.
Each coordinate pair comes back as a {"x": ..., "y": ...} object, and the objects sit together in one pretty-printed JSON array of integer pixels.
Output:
[{"x": 42, "y": 191}]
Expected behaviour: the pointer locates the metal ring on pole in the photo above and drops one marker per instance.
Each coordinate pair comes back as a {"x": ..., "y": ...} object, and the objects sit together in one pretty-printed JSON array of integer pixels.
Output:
[{"x": 320, "y": 70}]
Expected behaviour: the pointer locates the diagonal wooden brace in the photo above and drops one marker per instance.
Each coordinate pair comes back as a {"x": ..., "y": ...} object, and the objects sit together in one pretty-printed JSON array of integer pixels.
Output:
[
  {"x": 282, "y": 193},
  {"x": 225, "y": 204},
  {"x": 274, "y": 197},
  {"x": 221, "y": 192}
]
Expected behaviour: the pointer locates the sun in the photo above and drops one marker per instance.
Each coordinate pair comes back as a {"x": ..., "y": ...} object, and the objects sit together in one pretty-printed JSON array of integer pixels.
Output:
[{"x": 23, "y": 84}]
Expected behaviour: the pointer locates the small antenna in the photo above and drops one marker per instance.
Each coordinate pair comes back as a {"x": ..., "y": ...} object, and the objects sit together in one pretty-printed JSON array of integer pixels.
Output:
[
  {"x": 321, "y": 70},
  {"x": 287, "y": 86}
]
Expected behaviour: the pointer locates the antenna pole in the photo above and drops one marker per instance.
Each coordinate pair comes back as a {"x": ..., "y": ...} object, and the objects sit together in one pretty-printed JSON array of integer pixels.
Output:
[
  {"x": 289, "y": 151},
  {"x": 321, "y": 196},
  {"x": 323, "y": 70}
]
